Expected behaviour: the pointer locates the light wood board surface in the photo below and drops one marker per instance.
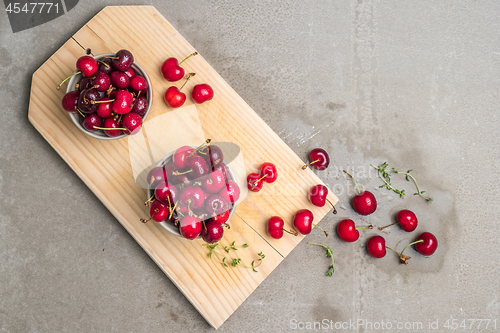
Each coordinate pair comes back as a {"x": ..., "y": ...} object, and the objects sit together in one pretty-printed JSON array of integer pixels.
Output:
[{"x": 106, "y": 168}]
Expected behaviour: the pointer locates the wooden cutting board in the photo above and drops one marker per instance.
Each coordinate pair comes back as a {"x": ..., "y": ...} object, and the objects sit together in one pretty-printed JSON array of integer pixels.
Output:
[{"x": 106, "y": 166}]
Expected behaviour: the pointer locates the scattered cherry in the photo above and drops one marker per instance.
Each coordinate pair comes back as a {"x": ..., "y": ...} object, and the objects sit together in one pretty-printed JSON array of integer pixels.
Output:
[
  {"x": 376, "y": 247},
  {"x": 303, "y": 222},
  {"x": 348, "y": 232},
  {"x": 275, "y": 228},
  {"x": 318, "y": 196},
  {"x": 268, "y": 172},
  {"x": 406, "y": 219},
  {"x": 319, "y": 159},
  {"x": 202, "y": 93},
  {"x": 171, "y": 69},
  {"x": 254, "y": 182},
  {"x": 426, "y": 244},
  {"x": 174, "y": 97},
  {"x": 364, "y": 203}
]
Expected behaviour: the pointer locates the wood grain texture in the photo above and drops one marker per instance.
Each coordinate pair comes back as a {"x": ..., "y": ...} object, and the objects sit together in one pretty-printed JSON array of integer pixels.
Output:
[{"x": 105, "y": 166}]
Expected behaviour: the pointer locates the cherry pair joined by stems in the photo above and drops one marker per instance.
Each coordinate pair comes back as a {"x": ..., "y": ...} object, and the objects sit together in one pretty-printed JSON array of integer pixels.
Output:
[
  {"x": 267, "y": 173},
  {"x": 364, "y": 203},
  {"x": 174, "y": 97},
  {"x": 426, "y": 244},
  {"x": 318, "y": 196},
  {"x": 319, "y": 158}
]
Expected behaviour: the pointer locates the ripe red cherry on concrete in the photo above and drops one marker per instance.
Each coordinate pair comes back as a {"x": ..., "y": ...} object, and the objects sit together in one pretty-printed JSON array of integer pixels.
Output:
[
  {"x": 202, "y": 93},
  {"x": 190, "y": 227},
  {"x": 426, "y": 244},
  {"x": 364, "y": 203},
  {"x": 376, "y": 247},
  {"x": 70, "y": 101},
  {"x": 171, "y": 69},
  {"x": 123, "y": 103},
  {"x": 132, "y": 123},
  {"x": 347, "y": 231},
  {"x": 406, "y": 219},
  {"x": 275, "y": 228},
  {"x": 303, "y": 222},
  {"x": 254, "y": 182},
  {"x": 212, "y": 232},
  {"x": 268, "y": 172},
  {"x": 319, "y": 159}
]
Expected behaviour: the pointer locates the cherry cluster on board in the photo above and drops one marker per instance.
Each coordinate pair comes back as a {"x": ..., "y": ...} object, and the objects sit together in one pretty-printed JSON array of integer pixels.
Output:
[
  {"x": 110, "y": 97},
  {"x": 193, "y": 191},
  {"x": 173, "y": 72}
]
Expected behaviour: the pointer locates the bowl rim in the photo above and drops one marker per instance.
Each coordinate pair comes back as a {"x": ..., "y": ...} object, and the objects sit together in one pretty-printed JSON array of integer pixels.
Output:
[
  {"x": 172, "y": 229},
  {"x": 100, "y": 134}
]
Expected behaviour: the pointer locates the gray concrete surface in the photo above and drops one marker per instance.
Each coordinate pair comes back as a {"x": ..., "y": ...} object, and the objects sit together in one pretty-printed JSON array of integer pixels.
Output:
[{"x": 414, "y": 83}]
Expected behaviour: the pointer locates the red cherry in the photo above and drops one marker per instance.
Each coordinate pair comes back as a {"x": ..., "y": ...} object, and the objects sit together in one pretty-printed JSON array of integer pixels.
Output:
[
  {"x": 130, "y": 73},
  {"x": 123, "y": 103},
  {"x": 221, "y": 218},
  {"x": 119, "y": 80},
  {"x": 138, "y": 83},
  {"x": 101, "y": 81},
  {"x": 303, "y": 222},
  {"x": 364, "y": 203},
  {"x": 158, "y": 212},
  {"x": 202, "y": 93},
  {"x": 122, "y": 60},
  {"x": 104, "y": 109},
  {"x": 212, "y": 232},
  {"x": 180, "y": 156},
  {"x": 155, "y": 176},
  {"x": 348, "y": 232},
  {"x": 376, "y": 247},
  {"x": 426, "y": 244},
  {"x": 406, "y": 219},
  {"x": 92, "y": 122},
  {"x": 70, "y": 101},
  {"x": 268, "y": 172},
  {"x": 275, "y": 227},
  {"x": 166, "y": 193},
  {"x": 174, "y": 97},
  {"x": 214, "y": 182},
  {"x": 111, "y": 127},
  {"x": 171, "y": 69},
  {"x": 140, "y": 105},
  {"x": 215, "y": 204},
  {"x": 132, "y": 123},
  {"x": 192, "y": 197},
  {"x": 190, "y": 227},
  {"x": 254, "y": 182},
  {"x": 233, "y": 191},
  {"x": 105, "y": 66},
  {"x": 87, "y": 65},
  {"x": 319, "y": 159}
]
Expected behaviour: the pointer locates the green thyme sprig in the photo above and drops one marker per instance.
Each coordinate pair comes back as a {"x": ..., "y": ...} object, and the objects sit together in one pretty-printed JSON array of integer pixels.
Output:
[
  {"x": 328, "y": 254},
  {"x": 408, "y": 176},
  {"x": 386, "y": 177},
  {"x": 228, "y": 261}
]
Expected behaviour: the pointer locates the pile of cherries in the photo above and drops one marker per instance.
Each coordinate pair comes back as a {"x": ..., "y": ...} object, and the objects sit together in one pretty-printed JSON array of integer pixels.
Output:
[
  {"x": 173, "y": 72},
  {"x": 193, "y": 191},
  {"x": 111, "y": 96}
]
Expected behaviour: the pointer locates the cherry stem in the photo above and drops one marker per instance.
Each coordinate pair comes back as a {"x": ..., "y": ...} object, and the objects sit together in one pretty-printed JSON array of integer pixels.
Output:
[
  {"x": 177, "y": 173},
  {"x": 317, "y": 226},
  {"x": 99, "y": 102},
  {"x": 189, "y": 56},
  {"x": 253, "y": 183},
  {"x": 66, "y": 79},
  {"x": 364, "y": 228},
  {"x": 387, "y": 226},
  {"x": 172, "y": 211},
  {"x": 80, "y": 112},
  {"x": 109, "y": 57},
  {"x": 102, "y": 62},
  {"x": 355, "y": 183},
  {"x": 334, "y": 209},
  {"x": 207, "y": 141},
  {"x": 145, "y": 221},
  {"x": 149, "y": 200},
  {"x": 305, "y": 166},
  {"x": 190, "y": 75},
  {"x": 292, "y": 232},
  {"x": 110, "y": 129},
  {"x": 419, "y": 241}
]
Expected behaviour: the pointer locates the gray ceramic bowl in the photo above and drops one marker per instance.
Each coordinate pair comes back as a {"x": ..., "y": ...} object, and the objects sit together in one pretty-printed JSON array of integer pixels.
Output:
[
  {"x": 75, "y": 117},
  {"x": 171, "y": 228}
]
